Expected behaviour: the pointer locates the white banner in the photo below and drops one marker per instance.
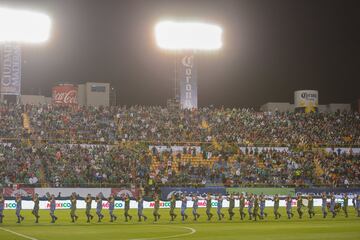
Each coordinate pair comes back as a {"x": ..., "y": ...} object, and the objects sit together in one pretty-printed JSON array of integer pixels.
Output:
[
  {"x": 10, "y": 69},
  {"x": 66, "y": 192},
  {"x": 65, "y": 204}
]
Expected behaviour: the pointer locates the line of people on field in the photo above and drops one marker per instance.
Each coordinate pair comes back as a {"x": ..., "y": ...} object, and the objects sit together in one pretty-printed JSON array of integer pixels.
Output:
[{"x": 255, "y": 206}]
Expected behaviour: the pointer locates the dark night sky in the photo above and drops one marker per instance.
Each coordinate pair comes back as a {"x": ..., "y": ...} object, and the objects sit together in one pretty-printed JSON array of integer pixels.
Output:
[{"x": 271, "y": 48}]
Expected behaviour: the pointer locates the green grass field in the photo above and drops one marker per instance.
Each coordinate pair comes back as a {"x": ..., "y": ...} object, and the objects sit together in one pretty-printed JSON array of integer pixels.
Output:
[{"x": 316, "y": 228}]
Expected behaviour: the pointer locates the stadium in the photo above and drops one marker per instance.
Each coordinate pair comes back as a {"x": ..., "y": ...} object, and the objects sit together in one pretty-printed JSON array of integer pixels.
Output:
[{"x": 85, "y": 153}]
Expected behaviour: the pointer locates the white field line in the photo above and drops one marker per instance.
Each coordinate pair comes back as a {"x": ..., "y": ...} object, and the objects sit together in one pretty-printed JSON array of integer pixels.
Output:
[
  {"x": 192, "y": 231},
  {"x": 18, "y": 234}
]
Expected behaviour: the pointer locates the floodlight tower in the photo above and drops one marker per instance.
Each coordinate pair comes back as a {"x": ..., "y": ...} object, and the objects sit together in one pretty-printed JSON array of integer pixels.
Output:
[
  {"x": 17, "y": 27},
  {"x": 185, "y": 38}
]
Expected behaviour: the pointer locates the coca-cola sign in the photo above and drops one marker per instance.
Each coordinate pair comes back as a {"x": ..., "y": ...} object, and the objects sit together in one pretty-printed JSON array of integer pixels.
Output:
[{"x": 64, "y": 95}]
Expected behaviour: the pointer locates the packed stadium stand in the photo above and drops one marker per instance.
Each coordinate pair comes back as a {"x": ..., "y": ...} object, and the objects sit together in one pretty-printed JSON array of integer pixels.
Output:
[{"x": 85, "y": 146}]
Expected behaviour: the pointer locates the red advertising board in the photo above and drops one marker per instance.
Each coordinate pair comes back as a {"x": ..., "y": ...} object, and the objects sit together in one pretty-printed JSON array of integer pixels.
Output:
[
  {"x": 24, "y": 192},
  {"x": 120, "y": 192},
  {"x": 65, "y": 94}
]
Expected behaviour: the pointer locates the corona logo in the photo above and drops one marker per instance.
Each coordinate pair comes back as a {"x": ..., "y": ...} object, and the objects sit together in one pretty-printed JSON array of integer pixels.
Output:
[{"x": 188, "y": 61}]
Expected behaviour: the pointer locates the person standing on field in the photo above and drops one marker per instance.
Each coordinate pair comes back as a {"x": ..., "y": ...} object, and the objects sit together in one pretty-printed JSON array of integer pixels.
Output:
[
  {"x": 332, "y": 205},
  {"x": 262, "y": 201},
  {"x": 208, "y": 207},
  {"x": 345, "y": 204},
  {"x": 111, "y": 201},
  {"x": 36, "y": 208},
  {"x": 183, "y": 207},
  {"x": 299, "y": 205},
  {"x": 195, "y": 200},
  {"x": 219, "y": 207},
  {"x": 127, "y": 208},
  {"x": 172, "y": 207},
  {"x": 231, "y": 206},
  {"x": 140, "y": 208},
  {"x": 52, "y": 208},
  {"x": 250, "y": 200},
  {"x": 324, "y": 204},
  {"x": 99, "y": 206},
  {"x": 18, "y": 201},
  {"x": 311, "y": 206},
  {"x": 2, "y": 206},
  {"x": 289, "y": 207},
  {"x": 73, "y": 201},
  {"x": 242, "y": 206},
  {"x": 88, "y": 201},
  {"x": 156, "y": 208},
  {"x": 276, "y": 206}
]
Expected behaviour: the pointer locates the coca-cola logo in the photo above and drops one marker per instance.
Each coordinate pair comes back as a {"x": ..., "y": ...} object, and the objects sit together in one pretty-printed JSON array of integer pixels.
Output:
[{"x": 65, "y": 96}]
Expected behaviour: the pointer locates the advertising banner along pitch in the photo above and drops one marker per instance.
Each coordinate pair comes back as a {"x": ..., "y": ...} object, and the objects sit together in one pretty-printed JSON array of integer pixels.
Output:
[{"x": 10, "y": 69}]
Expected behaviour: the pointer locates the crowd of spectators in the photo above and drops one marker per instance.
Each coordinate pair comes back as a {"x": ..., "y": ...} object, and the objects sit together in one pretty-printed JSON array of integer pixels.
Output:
[
  {"x": 75, "y": 146},
  {"x": 269, "y": 167},
  {"x": 109, "y": 125}
]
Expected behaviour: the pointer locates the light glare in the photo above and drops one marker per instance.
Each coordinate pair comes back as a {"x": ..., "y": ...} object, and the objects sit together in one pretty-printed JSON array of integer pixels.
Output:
[
  {"x": 188, "y": 35},
  {"x": 23, "y": 26}
]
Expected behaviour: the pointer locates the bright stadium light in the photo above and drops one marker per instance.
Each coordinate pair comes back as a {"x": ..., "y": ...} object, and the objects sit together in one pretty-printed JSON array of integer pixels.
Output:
[
  {"x": 188, "y": 36},
  {"x": 23, "y": 26}
]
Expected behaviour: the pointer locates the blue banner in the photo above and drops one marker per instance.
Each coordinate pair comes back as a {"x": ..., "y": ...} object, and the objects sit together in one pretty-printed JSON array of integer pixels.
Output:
[{"x": 327, "y": 190}]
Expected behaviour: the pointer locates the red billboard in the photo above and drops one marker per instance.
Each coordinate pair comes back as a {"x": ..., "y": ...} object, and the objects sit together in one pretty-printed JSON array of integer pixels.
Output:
[
  {"x": 65, "y": 94},
  {"x": 12, "y": 192}
]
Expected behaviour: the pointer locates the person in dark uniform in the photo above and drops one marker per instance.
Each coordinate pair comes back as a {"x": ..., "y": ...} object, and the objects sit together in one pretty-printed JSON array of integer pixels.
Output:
[
  {"x": 231, "y": 206},
  {"x": 332, "y": 205},
  {"x": 208, "y": 207},
  {"x": 18, "y": 201},
  {"x": 242, "y": 206},
  {"x": 127, "y": 208},
  {"x": 52, "y": 201},
  {"x": 262, "y": 201},
  {"x": 219, "y": 207},
  {"x": 289, "y": 207},
  {"x": 256, "y": 208},
  {"x": 299, "y": 205},
  {"x": 324, "y": 204},
  {"x": 111, "y": 201},
  {"x": 98, "y": 201},
  {"x": 172, "y": 207},
  {"x": 88, "y": 201},
  {"x": 345, "y": 204},
  {"x": 358, "y": 205},
  {"x": 183, "y": 207},
  {"x": 195, "y": 200},
  {"x": 276, "y": 206},
  {"x": 311, "y": 206},
  {"x": 73, "y": 201},
  {"x": 2, "y": 207},
  {"x": 156, "y": 208},
  {"x": 140, "y": 201},
  {"x": 250, "y": 199},
  {"x": 36, "y": 208}
]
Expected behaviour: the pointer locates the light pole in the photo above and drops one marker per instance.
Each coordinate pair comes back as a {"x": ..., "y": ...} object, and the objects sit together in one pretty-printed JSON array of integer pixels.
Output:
[
  {"x": 18, "y": 27},
  {"x": 184, "y": 38}
]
